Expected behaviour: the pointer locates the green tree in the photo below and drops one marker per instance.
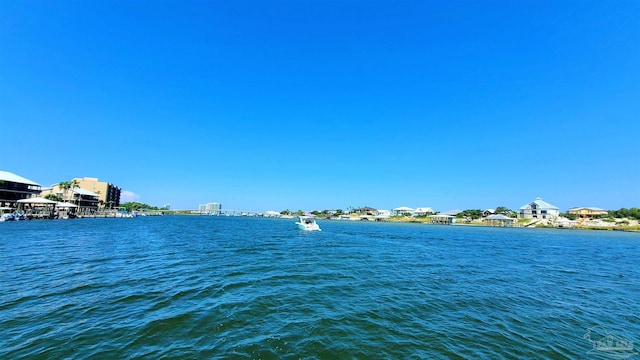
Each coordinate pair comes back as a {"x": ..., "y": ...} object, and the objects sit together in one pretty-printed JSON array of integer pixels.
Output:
[
  {"x": 65, "y": 186},
  {"x": 506, "y": 211},
  {"x": 472, "y": 213},
  {"x": 285, "y": 212},
  {"x": 69, "y": 185},
  {"x": 54, "y": 197},
  {"x": 73, "y": 184},
  {"x": 135, "y": 206},
  {"x": 633, "y": 213}
]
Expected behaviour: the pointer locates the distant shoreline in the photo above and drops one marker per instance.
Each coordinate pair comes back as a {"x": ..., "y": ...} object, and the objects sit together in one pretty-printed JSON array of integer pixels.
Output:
[{"x": 633, "y": 227}]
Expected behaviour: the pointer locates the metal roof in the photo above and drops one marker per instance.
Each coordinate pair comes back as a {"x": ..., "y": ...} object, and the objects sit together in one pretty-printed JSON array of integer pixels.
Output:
[
  {"x": 499, "y": 217},
  {"x": 65, "y": 205},
  {"x": 541, "y": 205},
  {"x": 82, "y": 191},
  {"x": 11, "y": 177},
  {"x": 36, "y": 200}
]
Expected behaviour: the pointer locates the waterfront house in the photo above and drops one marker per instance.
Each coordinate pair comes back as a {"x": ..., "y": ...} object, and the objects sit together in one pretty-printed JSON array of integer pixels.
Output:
[
  {"x": 488, "y": 212},
  {"x": 423, "y": 211},
  {"x": 364, "y": 211},
  {"x": 538, "y": 209},
  {"x": 588, "y": 212},
  {"x": 382, "y": 215},
  {"x": 402, "y": 211},
  {"x": 14, "y": 187}
]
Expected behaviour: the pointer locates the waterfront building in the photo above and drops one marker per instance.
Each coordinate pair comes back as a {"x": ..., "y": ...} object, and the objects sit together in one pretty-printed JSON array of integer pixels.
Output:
[
  {"x": 108, "y": 194},
  {"x": 14, "y": 187},
  {"x": 538, "y": 209},
  {"x": 383, "y": 214},
  {"x": 210, "y": 208},
  {"x": 488, "y": 212},
  {"x": 423, "y": 211},
  {"x": 364, "y": 211},
  {"x": 402, "y": 210},
  {"x": 86, "y": 201},
  {"x": 588, "y": 212}
]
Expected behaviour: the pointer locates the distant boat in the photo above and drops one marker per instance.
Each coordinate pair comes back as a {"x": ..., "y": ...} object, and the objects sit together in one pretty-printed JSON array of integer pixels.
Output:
[{"x": 307, "y": 223}]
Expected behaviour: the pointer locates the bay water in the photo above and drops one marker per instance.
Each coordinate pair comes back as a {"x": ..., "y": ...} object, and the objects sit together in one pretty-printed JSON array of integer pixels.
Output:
[{"x": 211, "y": 287}]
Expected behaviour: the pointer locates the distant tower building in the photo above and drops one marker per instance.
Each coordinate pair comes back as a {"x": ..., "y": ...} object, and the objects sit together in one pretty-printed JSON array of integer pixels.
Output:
[{"x": 213, "y": 208}]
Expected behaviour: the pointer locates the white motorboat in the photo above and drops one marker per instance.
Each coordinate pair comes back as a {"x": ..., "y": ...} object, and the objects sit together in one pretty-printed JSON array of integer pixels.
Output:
[
  {"x": 307, "y": 223},
  {"x": 6, "y": 214}
]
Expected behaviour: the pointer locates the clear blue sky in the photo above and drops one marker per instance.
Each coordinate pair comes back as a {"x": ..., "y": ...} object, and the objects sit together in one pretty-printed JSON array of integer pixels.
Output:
[{"x": 267, "y": 105}]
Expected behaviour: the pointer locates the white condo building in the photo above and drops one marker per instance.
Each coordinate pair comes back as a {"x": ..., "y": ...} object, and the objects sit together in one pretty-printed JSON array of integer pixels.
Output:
[{"x": 210, "y": 208}]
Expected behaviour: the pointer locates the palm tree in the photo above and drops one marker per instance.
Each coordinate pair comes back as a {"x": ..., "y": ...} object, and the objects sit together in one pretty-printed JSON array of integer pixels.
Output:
[
  {"x": 65, "y": 186},
  {"x": 74, "y": 184}
]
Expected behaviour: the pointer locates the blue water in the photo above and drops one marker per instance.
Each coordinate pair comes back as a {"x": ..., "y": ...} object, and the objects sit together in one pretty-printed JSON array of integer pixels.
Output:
[{"x": 252, "y": 288}]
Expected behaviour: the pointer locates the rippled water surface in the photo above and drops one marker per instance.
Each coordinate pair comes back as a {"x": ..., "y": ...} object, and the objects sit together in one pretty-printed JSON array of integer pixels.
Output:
[{"x": 220, "y": 287}]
